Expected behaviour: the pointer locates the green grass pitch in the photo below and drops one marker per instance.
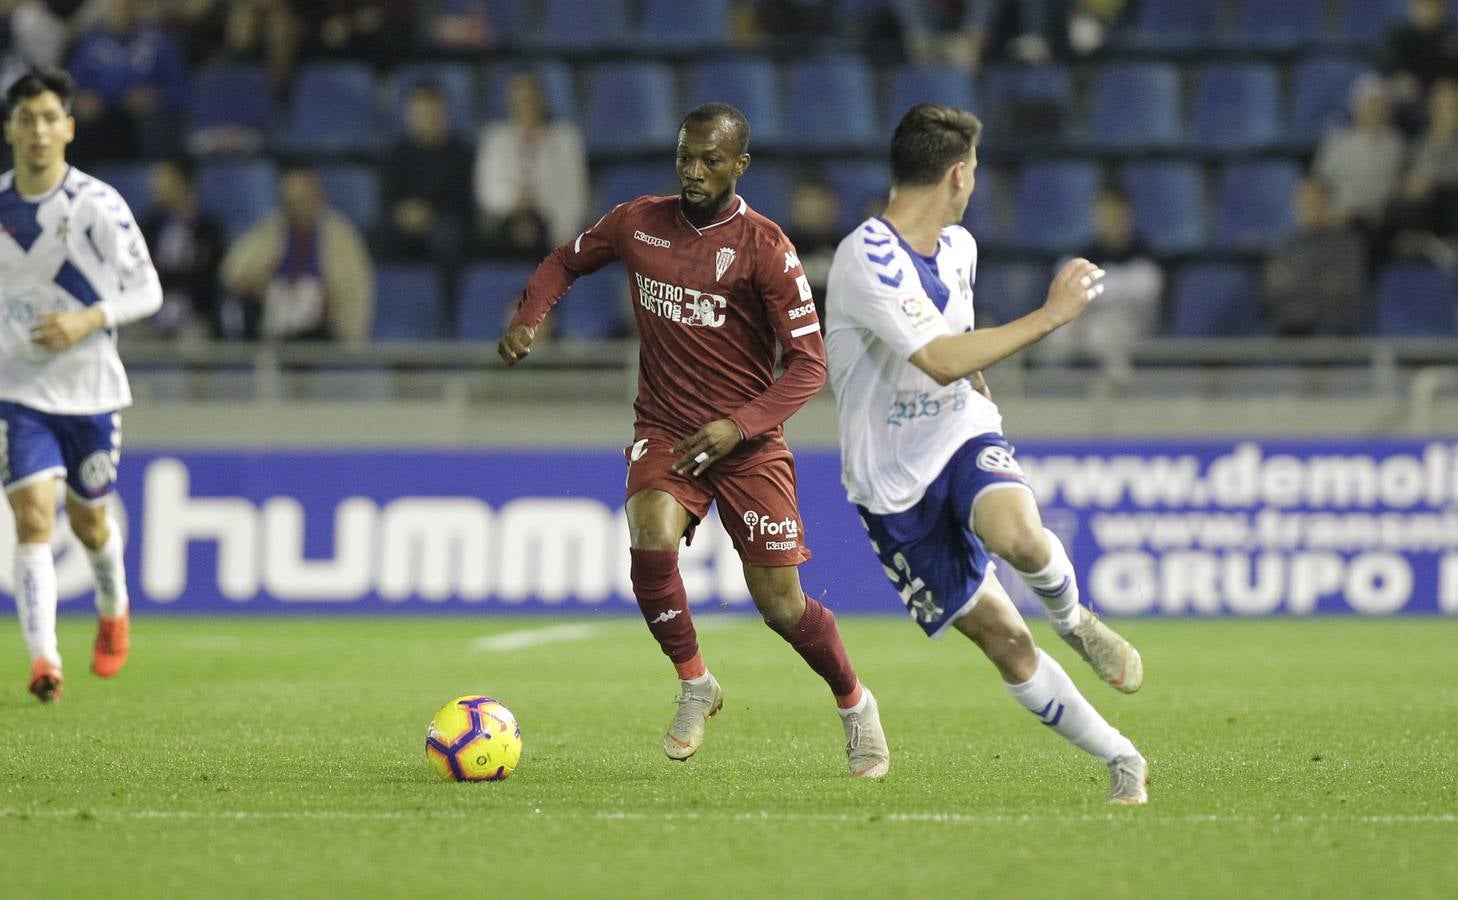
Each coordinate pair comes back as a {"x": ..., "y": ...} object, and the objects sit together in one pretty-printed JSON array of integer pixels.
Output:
[{"x": 258, "y": 759}]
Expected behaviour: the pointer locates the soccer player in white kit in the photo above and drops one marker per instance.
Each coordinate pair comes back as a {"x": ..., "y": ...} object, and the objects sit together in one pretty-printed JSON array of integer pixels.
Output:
[
  {"x": 922, "y": 451},
  {"x": 73, "y": 268}
]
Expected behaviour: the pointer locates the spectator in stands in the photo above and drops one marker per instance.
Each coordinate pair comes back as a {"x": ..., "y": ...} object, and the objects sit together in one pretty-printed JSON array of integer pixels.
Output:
[
  {"x": 1362, "y": 161},
  {"x": 263, "y": 31},
  {"x": 302, "y": 272},
  {"x": 40, "y": 30},
  {"x": 354, "y": 29},
  {"x": 131, "y": 82},
  {"x": 187, "y": 248},
  {"x": 815, "y": 231},
  {"x": 428, "y": 214},
  {"x": 1316, "y": 280},
  {"x": 1429, "y": 201},
  {"x": 1420, "y": 51},
  {"x": 455, "y": 24},
  {"x": 1131, "y": 305},
  {"x": 530, "y": 174}
]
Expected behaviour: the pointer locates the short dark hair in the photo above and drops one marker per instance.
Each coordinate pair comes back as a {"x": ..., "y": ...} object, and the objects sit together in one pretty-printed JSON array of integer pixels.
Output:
[
  {"x": 712, "y": 113},
  {"x": 929, "y": 139},
  {"x": 37, "y": 82}
]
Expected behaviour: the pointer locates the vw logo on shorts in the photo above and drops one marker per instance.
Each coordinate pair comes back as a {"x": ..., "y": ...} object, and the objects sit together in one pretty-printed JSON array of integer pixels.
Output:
[
  {"x": 997, "y": 459},
  {"x": 98, "y": 471}
]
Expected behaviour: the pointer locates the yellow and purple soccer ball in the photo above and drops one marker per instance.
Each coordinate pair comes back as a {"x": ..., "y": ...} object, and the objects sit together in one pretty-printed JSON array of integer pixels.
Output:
[{"x": 473, "y": 738}]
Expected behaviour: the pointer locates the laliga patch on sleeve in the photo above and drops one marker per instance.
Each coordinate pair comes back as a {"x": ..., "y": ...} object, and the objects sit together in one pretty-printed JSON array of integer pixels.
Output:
[
  {"x": 917, "y": 310},
  {"x": 803, "y": 284}
]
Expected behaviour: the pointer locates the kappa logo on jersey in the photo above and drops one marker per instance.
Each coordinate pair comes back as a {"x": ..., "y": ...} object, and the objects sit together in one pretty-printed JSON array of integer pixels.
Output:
[
  {"x": 722, "y": 261},
  {"x": 651, "y": 240},
  {"x": 791, "y": 260},
  {"x": 800, "y": 312},
  {"x": 685, "y": 306},
  {"x": 781, "y": 535},
  {"x": 996, "y": 459}
]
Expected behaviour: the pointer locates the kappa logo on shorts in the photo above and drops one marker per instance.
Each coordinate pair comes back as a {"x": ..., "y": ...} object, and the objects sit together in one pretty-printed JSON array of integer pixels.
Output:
[
  {"x": 996, "y": 459},
  {"x": 763, "y": 527},
  {"x": 98, "y": 470}
]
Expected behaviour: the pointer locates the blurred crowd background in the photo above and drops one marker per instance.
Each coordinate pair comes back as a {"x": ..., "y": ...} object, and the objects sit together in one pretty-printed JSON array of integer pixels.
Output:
[{"x": 383, "y": 170}]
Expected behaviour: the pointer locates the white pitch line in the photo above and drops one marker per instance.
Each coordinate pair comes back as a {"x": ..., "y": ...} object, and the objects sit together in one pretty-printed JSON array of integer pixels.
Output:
[{"x": 577, "y": 631}]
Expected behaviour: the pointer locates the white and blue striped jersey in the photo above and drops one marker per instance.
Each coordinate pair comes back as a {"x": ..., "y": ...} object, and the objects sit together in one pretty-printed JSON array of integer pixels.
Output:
[
  {"x": 74, "y": 247},
  {"x": 884, "y": 302}
]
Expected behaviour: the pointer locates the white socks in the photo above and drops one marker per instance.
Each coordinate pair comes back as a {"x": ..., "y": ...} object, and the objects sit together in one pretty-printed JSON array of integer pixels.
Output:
[
  {"x": 111, "y": 577},
  {"x": 35, "y": 599},
  {"x": 1051, "y": 696},
  {"x": 1056, "y": 586}
]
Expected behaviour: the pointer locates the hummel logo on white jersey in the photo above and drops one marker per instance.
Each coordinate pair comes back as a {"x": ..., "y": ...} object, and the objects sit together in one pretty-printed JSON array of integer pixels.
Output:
[
  {"x": 791, "y": 260},
  {"x": 666, "y": 616}
]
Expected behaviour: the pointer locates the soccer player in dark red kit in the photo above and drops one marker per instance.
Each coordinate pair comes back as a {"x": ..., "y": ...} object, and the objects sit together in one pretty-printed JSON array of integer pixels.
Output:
[{"x": 715, "y": 288}]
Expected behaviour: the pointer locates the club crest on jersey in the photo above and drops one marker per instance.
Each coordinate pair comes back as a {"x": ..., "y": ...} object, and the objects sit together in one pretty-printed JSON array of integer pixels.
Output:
[
  {"x": 722, "y": 261},
  {"x": 996, "y": 459}
]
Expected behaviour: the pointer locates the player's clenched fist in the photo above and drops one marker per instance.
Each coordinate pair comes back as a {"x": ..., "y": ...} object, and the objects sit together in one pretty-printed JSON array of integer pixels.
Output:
[
  {"x": 516, "y": 343},
  {"x": 1075, "y": 285}
]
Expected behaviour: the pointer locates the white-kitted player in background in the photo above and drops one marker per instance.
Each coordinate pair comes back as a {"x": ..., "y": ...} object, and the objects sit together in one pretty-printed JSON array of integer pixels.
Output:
[
  {"x": 922, "y": 451},
  {"x": 73, "y": 268}
]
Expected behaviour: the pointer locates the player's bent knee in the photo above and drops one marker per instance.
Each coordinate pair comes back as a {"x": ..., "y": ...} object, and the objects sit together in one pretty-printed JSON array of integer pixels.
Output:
[
  {"x": 92, "y": 533},
  {"x": 1026, "y": 549},
  {"x": 33, "y": 524}
]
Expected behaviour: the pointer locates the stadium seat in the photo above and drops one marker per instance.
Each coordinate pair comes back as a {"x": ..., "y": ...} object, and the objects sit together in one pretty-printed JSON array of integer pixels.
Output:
[
  {"x": 133, "y": 181},
  {"x": 595, "y": 308},
  {"x": 1136, "y": 105},
  {"x": 1287, "y": 25},
  {"x": 1168, "y": 198},
  {"x": 631, "y": 109},
  {"x": 675, "y": 26},
  {"x": 749, "y": 83},
  {"x": 409, "y": 302},
  {"x": 622, "y": 182},
  {"x": 332, "y": 111},
  {"x": 1416, "y": 300},
  {"x": 1215, "y": 300},
  {"x": 1237, "y": 107},
  {"x": 354, "y": 190},
  {"x": 487, "y": 295},
  {"x": 570, "y": 26},
  {"x": 768, "y": 188},
  {"x": 1175, "y": 25},
  {"x": 1320, "y": 92},
  {"x": 557, "y": 82},
  {"x": 231, "y": 109},
  {"x": 833, "y": 99},
  {"x": 1054, "y": 199},
  {"x": 457, "y": 81},
  {"x": 1006, "y": 291},
  {"x": 1364, "y": 22},
  {"x": 1254, "y": 207},
  {"x": 915, "y": 84},
  {"x": 861, "y": 185},
  {"x": 237, "y": 191},
  {"x": 1026, "y": 103}
]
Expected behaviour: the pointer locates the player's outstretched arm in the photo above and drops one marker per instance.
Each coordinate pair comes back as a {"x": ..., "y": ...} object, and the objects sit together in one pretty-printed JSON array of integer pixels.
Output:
[
  {"x": 516, "y": 343},
  {"x": 953, "y": 356}
]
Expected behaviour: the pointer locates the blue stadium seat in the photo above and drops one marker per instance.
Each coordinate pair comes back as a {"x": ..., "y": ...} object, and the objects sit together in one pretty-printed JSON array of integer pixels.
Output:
[
  {"x": 1364, "y": 22},
  {"x": 1173, "y": 25},
  {"x": 768, "y": 187},
  {"x": 1237, "y": 106},
  {"x": 557, "y": 82},
  {"x": 1416, "y": 300},
  {"x": 1136, "y": 104},
  {"x": 673, "y": 25},
  {"x": 238, "y": 191},
  {"x": 596, "y": 307},
  {"x": 1215, "y": 300},
  {"x": 574, "y": 26},
  {"x": 1026, "y": 102},
  {"x": 1322, "y": 86},
  {"x": 749, "y": 83},
  {"x": 354, "y": 190},
  {"x": 332, "y": 111},
  {"x": 622, "y": 182},
  {"x": 457, "y": 81},
  {"x": 409, "y": 303},
  {"x": 1007, "y": 291},
  {"x": 983, "y": 217},
  {"x": 915, "y": 84},
  {"x": 1054, "y": 201},
  {"x": 631, "y": 109},
  {"x": 133, "y": 181},
  {"x": 487, "y": 295},
  {"x": 231, "y": 108},
  {"x": 1286, "y": 25},
  {"x": 1254, "y": 209},
  {"x": 860, "y": 184},
  {"x": 1168, "y": 199},
  {"x": 833, "y": 99}
]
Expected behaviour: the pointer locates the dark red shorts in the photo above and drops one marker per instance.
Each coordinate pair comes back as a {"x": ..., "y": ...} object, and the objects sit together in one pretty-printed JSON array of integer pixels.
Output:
[{"x": 754, "y": 488}]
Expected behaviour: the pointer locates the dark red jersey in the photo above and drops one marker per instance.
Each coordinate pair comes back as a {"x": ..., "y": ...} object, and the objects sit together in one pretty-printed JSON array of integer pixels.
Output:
[{"x": 711, "y": 303}]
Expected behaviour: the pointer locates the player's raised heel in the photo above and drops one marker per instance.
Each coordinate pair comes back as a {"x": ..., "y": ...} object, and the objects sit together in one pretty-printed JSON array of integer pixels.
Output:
[
  {"x": 113, "y": 641},
  {"x": 696, "y": 704},
  {"x": 865, "y": 741},
  {"x": 1112, "y": 657},
  {"x": 45, "y": 680},
  {"x": 1129, "y": 780}
]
